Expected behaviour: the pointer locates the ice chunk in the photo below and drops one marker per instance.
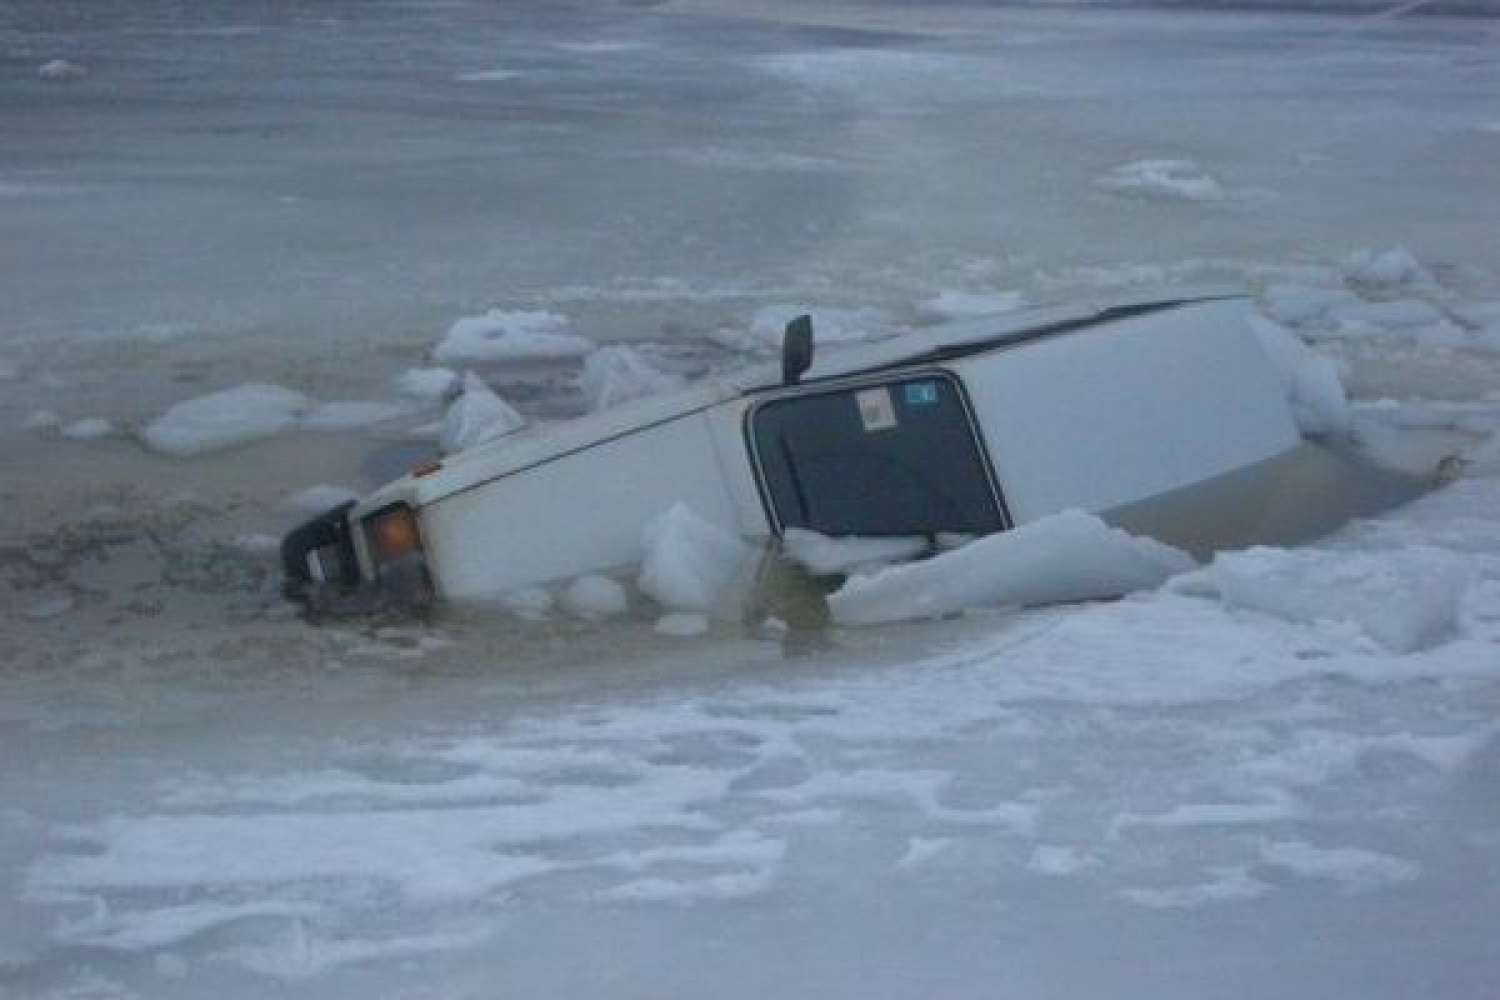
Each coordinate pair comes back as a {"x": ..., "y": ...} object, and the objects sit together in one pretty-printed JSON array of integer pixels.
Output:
[
  {"x": 1405, "y": 600},
  {"x": 477, "y": 416},
  {"x": 965, "y": 305},
  {"x": 1164, "y": 180},
  {"x": 61, "y": 69},
  {"x": 690, "y": 564},
  {"x": 226, "y": 418},
  {"x": 592, "y": 597},
  {"x": 1312, "y": 381},
  {"x": 618, "y": 374},
  {"x": 1071, "y": 556},
  {"x": 88, "y": 429},
  {"x": 429, "y": 383},
  {"x": 511, "y": 336},
  {"x": 821, "y": 555},
  {"x": 1386, "y": 269}
]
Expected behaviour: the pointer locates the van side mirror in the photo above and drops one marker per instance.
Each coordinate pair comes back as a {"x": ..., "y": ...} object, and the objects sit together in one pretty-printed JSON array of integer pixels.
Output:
[{"x": 796, "y": 350}]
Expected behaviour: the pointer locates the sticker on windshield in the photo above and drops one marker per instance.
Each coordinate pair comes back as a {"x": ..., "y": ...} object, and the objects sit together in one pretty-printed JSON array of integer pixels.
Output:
[
  {"x": 921, "y": 394},
  {"x": 876, "y": 411}
]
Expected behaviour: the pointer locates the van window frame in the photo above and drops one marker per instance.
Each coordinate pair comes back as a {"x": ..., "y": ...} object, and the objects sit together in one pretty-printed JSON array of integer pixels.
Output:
[{"x": 848, "y": 385}]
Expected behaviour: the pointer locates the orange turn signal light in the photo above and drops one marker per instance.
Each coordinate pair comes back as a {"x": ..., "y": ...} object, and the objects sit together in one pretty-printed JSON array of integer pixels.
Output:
[{"x": 393, "y": 533}]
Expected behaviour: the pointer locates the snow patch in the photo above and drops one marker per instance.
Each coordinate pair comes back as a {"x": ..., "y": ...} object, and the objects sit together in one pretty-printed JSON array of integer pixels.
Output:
[
  {"x": 1071, "y": 556},
  {"x": 499, "y": 335},
  {"x": 477, "y": 416}
]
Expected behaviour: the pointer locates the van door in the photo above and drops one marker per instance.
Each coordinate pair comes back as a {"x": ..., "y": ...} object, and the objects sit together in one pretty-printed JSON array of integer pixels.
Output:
[{"x": 900, "y": 456}]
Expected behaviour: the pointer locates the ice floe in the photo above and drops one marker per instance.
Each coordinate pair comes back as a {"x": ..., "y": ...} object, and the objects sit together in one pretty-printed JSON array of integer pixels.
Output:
[
  {"x": 226, "y": 418},
  {"x": 1070, "y": 556},
  {"x": 1161, "y": 180},
  {"x": 499, "y": 335}
]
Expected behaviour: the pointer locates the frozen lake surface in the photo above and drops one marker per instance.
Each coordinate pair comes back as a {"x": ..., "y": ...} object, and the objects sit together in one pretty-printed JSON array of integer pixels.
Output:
[{"x": 1275, "y": 773}]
